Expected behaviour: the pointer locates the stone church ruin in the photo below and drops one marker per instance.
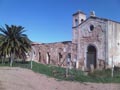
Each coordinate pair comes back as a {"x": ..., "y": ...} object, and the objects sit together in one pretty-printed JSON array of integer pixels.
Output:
[{"x": 95, "y": 45}]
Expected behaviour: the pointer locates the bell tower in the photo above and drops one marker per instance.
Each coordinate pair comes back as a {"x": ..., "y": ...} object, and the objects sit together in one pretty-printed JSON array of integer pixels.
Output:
[{"x": 78, "y": 18}]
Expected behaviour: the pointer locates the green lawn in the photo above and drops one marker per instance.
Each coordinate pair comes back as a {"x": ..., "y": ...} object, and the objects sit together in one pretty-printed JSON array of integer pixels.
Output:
[{"x": 103, "y": 76}]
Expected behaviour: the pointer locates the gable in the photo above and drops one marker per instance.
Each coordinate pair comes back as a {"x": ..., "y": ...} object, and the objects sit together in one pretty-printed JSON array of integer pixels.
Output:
[{"x": 92, "y": 28}]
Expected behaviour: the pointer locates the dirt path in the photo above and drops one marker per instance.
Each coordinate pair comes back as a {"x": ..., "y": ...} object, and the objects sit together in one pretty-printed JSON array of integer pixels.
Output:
[{"x": 23, "y": 79}]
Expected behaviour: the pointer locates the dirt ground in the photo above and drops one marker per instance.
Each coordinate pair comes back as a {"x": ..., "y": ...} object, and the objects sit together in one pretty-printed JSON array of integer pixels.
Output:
[{"x": 23, "y": 79}]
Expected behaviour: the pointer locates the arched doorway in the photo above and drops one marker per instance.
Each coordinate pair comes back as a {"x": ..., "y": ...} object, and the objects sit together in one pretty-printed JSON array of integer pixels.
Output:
[
  {"x": 59, "y": 58},
  {"x": 91, "y": 56},
  {"x": 39, "y": 57}
]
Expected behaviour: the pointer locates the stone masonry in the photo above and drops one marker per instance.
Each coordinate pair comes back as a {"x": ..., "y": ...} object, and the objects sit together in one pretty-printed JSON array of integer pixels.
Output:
[
  {"x": 54, "y": 53},
  {"x": 95, "y": 45}
]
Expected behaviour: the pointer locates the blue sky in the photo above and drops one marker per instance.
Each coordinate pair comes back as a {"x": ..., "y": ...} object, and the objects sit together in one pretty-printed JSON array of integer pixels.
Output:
[{"x": 51, "y": 20}]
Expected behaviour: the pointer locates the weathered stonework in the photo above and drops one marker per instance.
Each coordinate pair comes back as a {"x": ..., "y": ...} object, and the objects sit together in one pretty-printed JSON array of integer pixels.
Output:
[
  {"x": 95, "y": 45},
  {"x": 54, "y": 53},
  {"x": 97, "y": 40}
]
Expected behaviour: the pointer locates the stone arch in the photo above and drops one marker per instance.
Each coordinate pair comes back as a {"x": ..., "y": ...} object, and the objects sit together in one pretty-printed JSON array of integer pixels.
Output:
[
  {"x": 68, "y": 58},
  {"x": 39, "y": 57},
  {"x": 32, "y": 53},
  {"x": 59, "y": 57},
  {"x": 91, "y": 57},
  {"x": 48, "y": 58},
  {"x": 82, "y": 20},
  {"x": 76, "y": 22}
]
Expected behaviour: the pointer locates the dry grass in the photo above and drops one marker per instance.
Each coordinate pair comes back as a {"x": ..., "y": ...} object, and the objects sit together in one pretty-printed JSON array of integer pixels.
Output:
[{"x": 23, "y": 79}]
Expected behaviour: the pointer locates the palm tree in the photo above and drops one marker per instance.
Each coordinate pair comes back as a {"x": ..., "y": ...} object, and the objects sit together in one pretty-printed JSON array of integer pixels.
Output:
[{"x": 13, "y": 42}]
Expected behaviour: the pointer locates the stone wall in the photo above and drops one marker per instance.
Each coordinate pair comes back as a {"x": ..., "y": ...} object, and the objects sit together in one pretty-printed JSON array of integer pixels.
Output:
[
  {"x": 54, "y": 53},
  {"x": 102, "y": 35},
  {"x": 113, "y": 43},
  {"x": 87, "y": 37}
]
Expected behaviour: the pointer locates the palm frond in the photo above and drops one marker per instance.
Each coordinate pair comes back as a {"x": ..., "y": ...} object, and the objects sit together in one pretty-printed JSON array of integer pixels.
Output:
[{"x": 12, "y": 38}]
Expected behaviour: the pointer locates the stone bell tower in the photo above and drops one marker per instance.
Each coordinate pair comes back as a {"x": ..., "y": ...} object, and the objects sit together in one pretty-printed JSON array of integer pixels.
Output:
[{"x": 78, "y": 18}]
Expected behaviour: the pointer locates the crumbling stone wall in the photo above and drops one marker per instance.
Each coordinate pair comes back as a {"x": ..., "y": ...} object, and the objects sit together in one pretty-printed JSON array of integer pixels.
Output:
[
  {"x": 102, "y": 35},
  {"x": 54, "y": 53}
]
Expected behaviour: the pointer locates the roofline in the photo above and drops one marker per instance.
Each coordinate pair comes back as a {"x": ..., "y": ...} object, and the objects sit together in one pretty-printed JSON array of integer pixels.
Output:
[
  {"x": 78, "y": 13},
  {"x": 50, "y": 43},
  {"x": 97, "y": 18},
  {"x": 106, "y": 19},
  {"x": 58, "y": 42}
]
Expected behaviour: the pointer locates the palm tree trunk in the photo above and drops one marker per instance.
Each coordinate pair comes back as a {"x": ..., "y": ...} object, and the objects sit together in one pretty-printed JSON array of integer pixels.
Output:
[
  {"x": 2, "y": 60},
  {"x": 12, "y": 59}
]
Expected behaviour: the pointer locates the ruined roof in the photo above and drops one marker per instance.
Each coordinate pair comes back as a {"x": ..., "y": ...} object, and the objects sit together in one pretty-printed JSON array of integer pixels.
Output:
[{"x": 64, "y": 42}]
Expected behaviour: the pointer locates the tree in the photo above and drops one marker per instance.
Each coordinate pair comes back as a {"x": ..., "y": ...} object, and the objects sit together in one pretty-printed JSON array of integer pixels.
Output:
[{"x": 13, "y": 42}]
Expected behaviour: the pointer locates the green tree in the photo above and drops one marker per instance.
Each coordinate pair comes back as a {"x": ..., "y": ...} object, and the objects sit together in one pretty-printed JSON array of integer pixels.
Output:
[{"x": 13, "y": 42}]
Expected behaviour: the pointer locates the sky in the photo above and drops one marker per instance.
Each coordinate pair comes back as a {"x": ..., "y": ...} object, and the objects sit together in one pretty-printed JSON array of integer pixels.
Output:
[{"x": 47, "y": 21}]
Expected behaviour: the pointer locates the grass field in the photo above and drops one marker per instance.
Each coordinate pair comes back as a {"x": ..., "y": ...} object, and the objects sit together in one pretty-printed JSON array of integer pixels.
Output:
[{"x": 103, "y": 76}]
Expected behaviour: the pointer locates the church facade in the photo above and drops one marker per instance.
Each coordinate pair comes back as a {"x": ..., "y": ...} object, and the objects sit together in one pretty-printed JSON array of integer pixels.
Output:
[{"x": 95, "y": 44}]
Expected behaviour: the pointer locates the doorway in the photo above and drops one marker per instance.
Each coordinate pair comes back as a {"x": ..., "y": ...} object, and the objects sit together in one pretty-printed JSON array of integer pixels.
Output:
[
  {"x": 59, "y": 58},
  {"x": 39, "y": 57},
  {"x": 91, "y": 56}
]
